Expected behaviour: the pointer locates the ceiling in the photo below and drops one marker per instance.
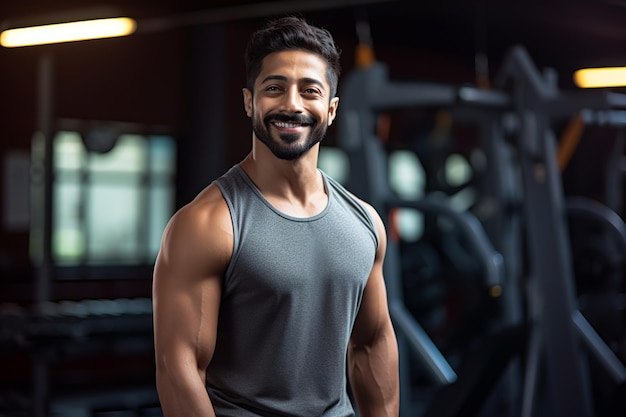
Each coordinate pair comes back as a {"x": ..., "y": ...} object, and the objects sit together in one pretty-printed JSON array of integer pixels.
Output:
[{"x": 564, "y": 35}]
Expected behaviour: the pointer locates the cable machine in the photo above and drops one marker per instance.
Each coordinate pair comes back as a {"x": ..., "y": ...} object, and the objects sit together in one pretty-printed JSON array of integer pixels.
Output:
[
  {"x": 527, "y": 221},
  {"x": 558, "y": 327},
  {"x": 365, "y": 93}
]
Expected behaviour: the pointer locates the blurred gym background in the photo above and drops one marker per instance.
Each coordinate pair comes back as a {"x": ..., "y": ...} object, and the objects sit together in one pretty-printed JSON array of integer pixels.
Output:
[{"x": 499, "y": 176}]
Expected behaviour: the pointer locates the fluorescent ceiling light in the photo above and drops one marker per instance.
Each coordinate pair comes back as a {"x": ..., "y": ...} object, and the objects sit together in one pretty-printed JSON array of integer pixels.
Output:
[
  {"x": 68, "y": 32},
  {"x": 600, "y": 77}
]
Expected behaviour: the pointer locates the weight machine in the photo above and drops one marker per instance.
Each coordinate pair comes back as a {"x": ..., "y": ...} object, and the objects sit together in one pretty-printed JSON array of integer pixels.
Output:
[
  {"x": 365, "y": 93},
  {"x": 559, "y": 330},
  {"x": 540, "y": 317}
]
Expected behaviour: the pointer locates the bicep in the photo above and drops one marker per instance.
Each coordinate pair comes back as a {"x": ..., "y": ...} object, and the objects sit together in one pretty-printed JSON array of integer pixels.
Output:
[
  {"x": 185, "y": 315},
  {"x": 187, "y": 288}
]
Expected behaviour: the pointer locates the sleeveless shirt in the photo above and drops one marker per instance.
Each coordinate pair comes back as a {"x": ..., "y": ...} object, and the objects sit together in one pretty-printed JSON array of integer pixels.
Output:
[{"x": 290, "y": 296}]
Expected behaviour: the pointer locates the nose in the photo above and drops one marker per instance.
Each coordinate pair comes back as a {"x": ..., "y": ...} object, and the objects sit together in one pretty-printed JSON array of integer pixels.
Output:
[{"x": 292, "y": 101}]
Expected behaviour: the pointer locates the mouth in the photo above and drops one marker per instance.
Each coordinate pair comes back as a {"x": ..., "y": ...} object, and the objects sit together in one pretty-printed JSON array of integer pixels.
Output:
[{"x": 289, "y": 125}]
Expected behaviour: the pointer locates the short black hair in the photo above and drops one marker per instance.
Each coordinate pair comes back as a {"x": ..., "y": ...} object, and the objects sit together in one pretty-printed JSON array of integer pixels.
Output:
[{"x": 289, "y": 33}]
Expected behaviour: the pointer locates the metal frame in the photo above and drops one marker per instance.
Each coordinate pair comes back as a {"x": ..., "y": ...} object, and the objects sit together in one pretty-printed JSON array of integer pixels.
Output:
[
  {"x": 365, "y": 93},
  {"x": 523, "y": 108},
  {"x": 558, "y": 324}
]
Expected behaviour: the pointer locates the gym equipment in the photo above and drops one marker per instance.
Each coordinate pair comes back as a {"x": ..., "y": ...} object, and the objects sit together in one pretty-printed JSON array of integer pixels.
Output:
[
  {"x": 558, "y": 326},
  {"x": 365, "y": 93},
  {"x": 523, "y": 188},
  {"x": 69, "y": 329}
]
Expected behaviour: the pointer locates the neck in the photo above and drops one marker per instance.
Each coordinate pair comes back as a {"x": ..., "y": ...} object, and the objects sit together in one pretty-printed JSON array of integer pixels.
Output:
[{"x": 295, "y": 187}]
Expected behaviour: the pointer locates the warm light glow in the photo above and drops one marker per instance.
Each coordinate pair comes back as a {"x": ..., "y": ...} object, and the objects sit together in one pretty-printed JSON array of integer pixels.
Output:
[
  {"x": 600, "y": 77},
  {"x": 68, "y": 32}
]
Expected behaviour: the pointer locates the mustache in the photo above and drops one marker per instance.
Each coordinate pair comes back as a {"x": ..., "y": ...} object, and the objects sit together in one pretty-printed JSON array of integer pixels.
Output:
[{"x": 289, "y": 118}]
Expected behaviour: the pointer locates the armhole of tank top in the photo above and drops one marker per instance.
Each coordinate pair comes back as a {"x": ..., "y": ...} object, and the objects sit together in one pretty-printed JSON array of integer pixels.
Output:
[
  {"x": 234, "y": 223},
  {"x": 372, "y": 224},
  {"x": 371, "y": 221}
]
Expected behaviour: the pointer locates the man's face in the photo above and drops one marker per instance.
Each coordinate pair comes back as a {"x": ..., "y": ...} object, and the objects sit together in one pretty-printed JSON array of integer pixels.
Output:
[{"x": 291, "y": 107}]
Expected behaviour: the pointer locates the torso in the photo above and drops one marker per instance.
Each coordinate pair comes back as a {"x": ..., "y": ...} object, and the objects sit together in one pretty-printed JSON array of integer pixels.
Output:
[{"x": 291, "y": 293}]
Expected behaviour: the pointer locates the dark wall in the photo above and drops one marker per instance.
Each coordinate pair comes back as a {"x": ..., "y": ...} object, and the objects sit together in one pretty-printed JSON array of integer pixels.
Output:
[
  {"x": 189, "y": 79},
  {"x": 135, "y": 79},
  {"x": 151, "y": 79}
]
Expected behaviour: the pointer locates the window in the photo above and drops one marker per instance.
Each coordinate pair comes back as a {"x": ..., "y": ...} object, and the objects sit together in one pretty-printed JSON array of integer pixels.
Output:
[{"x": 109, "y": 207}]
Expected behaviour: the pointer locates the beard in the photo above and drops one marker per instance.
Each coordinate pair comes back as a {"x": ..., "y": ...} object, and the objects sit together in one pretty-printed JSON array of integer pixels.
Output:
[{"x": 289, "y": 146}]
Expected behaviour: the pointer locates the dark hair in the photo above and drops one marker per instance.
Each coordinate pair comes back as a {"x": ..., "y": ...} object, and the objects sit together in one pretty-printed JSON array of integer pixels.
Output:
[{"x": 288, "y": 33}]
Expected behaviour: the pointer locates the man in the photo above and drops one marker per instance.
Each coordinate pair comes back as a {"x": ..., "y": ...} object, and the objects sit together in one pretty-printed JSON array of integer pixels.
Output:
[{"x": 268, "y": 286}]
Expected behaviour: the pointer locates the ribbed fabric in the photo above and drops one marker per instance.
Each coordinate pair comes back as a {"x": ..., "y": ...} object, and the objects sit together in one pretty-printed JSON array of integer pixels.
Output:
[{"x": 291, "y": 293}]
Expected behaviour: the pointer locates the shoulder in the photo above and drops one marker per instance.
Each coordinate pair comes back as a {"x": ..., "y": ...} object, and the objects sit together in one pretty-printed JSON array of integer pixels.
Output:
[
  {"x": 199, "y": 231},
  {"x": 207, "y": 210},
  {"x": 365, "y": 207},
  {"x": 371, "y": 211},
  {"x": 378, "y": 221}
]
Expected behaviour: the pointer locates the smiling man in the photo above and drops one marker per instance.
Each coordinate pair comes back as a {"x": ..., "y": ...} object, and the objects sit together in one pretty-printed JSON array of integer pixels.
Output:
[
  {"x": 268, "y": 289},
  {"x": 298, "y": 131}
]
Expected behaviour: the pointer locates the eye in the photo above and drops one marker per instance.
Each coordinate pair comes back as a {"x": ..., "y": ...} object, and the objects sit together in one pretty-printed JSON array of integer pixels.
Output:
[{"x": 312, "y": 91}]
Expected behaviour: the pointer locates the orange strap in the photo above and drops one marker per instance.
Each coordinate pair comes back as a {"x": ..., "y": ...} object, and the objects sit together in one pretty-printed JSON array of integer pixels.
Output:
[{"x": 569, "y": 141}]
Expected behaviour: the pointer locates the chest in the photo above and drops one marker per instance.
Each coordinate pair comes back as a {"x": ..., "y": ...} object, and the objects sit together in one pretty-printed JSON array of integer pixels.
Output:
[{"x": 278, "y": 257}]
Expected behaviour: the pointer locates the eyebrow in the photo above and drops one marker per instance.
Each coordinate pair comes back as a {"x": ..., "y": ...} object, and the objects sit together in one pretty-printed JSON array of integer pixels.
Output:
[{"x": 283, "y": 78}]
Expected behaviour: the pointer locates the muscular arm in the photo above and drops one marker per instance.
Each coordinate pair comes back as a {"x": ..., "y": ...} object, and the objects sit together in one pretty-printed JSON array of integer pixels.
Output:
[
  {"x": 373, "y": 350},
  {"x": 187, "y": 287}
]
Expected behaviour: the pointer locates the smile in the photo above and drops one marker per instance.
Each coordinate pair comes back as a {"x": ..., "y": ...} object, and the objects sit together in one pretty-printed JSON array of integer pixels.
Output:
[{"x": 288, "y": 125}]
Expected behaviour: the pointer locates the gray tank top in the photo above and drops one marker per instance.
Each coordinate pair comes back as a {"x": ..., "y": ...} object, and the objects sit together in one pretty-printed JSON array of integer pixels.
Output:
[{"x": 290, "y": 297}]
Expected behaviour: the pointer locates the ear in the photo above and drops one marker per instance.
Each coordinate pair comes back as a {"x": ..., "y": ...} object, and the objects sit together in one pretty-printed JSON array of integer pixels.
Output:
[
  {"x": 247, "y": 101},
  {"x": 332, "y": 110}
]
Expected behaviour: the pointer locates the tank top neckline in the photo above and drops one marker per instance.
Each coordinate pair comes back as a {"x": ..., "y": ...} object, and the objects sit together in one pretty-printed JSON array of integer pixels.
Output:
[{"x": 261, "y": 197}]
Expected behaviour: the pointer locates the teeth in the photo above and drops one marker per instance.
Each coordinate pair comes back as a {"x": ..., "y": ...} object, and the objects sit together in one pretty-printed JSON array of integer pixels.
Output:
[{"x": 286, "y": 125}]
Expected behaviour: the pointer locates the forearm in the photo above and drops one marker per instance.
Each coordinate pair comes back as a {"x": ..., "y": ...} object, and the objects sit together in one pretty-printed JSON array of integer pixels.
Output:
[
  {"x": 373, "y": 373},
  {"x": 183, "y": 394}
]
